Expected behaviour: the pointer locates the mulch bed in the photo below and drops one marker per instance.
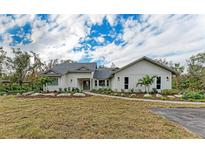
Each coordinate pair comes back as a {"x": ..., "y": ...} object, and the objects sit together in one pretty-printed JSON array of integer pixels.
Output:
[
  {"x": 86, "y": 95},
  {"x": 141, "y": 96}
]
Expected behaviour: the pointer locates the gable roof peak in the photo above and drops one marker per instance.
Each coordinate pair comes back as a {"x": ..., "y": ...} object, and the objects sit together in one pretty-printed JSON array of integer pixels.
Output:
[{"x": 149, "y": 60}]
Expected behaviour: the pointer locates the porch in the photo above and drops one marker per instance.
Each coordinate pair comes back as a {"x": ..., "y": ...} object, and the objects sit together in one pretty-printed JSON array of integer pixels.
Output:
[{"x": 85, "y": 83}]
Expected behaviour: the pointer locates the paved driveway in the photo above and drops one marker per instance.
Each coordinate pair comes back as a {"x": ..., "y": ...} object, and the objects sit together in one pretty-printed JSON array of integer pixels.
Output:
[{"x": 192, "y": 119}]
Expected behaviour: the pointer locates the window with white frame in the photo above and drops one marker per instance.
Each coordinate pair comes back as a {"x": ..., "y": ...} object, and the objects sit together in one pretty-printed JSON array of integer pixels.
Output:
[
  {"x": 96, "y": 82},
  {"x": 126, "y": 82},
  {"x": 158, "y": 85},
  {"x": 108, "y": 84},
  {"x": 102, "y": 83},
  {"x": 54, "y": 82}
]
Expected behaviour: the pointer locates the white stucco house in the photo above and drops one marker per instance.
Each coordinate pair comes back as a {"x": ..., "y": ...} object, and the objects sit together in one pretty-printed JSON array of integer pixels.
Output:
[{"x": 87, "y": 76}]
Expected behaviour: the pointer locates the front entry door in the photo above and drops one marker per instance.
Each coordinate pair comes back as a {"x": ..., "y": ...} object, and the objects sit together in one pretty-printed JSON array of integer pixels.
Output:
[{"x": 86, "y": 85}]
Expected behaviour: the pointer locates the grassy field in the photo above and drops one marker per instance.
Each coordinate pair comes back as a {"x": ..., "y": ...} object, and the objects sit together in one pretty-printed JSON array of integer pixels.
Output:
[{"x": 91, "y": 117}]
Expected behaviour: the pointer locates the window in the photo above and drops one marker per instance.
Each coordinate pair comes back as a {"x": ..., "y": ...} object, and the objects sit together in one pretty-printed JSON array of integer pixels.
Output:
[
  {"x": 54, "y": 82},
  {"x": 158, "y": 82},
  {"x": 96, "y": 83},
  {"x": 118, "y": 78},
  {"x": 101, "y": 82},
  {"x": 71, "y": 80},
  {"x": 108, "y": 83},
  {"x": 126, "y": 83},
  {"x": 167, "y": 78}
]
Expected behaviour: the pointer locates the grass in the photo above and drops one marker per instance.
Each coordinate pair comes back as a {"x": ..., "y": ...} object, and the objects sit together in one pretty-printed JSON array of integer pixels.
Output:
[{"x": 90, "y": 117}]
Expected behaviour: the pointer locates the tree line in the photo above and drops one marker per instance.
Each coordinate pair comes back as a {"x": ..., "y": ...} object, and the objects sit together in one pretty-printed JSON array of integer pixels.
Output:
[
  {"x": 191, "y": 77},
  {"x": 20, "y": 68}
]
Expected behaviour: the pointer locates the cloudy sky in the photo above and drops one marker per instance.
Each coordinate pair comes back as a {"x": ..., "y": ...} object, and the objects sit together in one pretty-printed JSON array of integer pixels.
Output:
[{"x": 105, "y": 38}]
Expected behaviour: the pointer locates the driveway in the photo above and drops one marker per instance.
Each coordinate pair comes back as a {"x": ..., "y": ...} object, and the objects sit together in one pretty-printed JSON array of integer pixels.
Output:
[{"x": 192, "y": 119}]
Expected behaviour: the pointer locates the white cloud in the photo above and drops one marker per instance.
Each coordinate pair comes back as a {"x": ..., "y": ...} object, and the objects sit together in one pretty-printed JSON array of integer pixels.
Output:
[
  {"x": 52, "y": 40},
  {"x": 55, "y": 39},
  {"x": 157, "y": 36},
  {"x": 174, "y": 37}
]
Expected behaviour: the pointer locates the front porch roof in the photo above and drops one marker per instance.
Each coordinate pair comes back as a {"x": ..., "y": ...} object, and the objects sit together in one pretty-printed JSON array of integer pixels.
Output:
[
  {"x": 103, "y": 73},
  {"x": 83, "y": 78}
]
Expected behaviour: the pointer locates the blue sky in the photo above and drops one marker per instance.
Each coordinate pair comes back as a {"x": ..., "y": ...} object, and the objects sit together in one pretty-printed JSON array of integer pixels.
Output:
[{"x": 105, "y": 38}]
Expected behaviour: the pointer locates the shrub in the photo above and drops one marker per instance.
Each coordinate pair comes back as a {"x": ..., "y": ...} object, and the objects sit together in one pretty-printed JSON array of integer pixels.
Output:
[
  {"x": 107, "y": 91},
  {"x": 75, "y": 90},
  {"x": 2, "y": 93},
  {"x": 193, "y": 95},
  {"x": 60, "y": 89},
  {"x": 131, "y": 90},
  {"x": 94, "y": 90},
  {"x": 154, "y": 91},
  {"x": 1, "y": 88},
  {"x": 100, "y": 90},
  {"x": 163, "y": 98},
  {"x": 169, "y": 91},
  {"x": 13, "y": 92},
  {"x": 103, "y": 90},
  {"x": 68, "y": 89},
  {"x": 65, "y": 90}
]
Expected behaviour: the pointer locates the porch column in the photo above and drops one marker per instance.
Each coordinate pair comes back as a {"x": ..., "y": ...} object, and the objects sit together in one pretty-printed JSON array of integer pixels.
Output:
[{"x": 90, "y": 84}]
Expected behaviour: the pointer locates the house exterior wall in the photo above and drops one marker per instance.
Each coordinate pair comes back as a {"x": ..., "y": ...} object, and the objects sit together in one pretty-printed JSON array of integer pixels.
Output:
[
  {"x": 139, "y": 70},
  {"x": 75, "y": 83},
  {"x": 69, "y": 80},
  {"x": 133, "y": 72}
]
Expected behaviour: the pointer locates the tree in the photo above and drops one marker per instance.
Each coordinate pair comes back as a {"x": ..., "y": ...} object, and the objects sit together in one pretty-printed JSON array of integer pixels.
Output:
[
  {"x": 35, "y": 69},
  {"x": 2, "y": 60},
  {"x": 113, "y": 66},
  {"x": 42, "y": 81},
  {"x": 179, "y": 70},
  {"x": 196, "y": 72},
  {"x": 163, "y": 61},
  {"x": 146, "y": 81},
  {"x": 50, "y": 64},
  {"x": 20, "y": 64},
  {"x": 67, "y": 61}
]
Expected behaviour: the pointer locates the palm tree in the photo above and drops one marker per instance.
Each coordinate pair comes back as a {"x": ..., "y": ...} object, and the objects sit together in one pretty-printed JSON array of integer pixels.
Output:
[{"x": 146, "y": 81}]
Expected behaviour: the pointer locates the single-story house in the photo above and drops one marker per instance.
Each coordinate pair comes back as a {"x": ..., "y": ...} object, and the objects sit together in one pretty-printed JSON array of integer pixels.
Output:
[{"x": 87, "y": 76}]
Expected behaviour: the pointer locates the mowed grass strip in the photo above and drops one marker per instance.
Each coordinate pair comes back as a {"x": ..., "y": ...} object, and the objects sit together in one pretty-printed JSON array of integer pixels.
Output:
[{"x": 90, "y": 117}]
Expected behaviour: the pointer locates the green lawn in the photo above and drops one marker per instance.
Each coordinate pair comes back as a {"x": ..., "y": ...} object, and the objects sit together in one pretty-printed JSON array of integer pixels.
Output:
[{"x": 90, "y": 117}]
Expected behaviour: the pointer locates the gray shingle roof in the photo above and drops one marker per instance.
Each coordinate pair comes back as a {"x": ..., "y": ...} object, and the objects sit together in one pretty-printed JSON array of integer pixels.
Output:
[
  {"x": 63, "y": 68},
  {"x": 100, "y": 73},
  {"x": 103, "y": 73}
]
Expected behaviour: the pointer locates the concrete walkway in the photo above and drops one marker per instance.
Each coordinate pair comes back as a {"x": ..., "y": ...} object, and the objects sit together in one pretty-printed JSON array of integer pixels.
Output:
[{"x": 144, "y": 100}]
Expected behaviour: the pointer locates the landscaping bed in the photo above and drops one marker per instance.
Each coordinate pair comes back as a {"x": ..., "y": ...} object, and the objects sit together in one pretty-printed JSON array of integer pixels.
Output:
[
  {"x": 37, "y": 93},
  {"x": 55, "y": 95},
  {"x": 171, "y": 95}
]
